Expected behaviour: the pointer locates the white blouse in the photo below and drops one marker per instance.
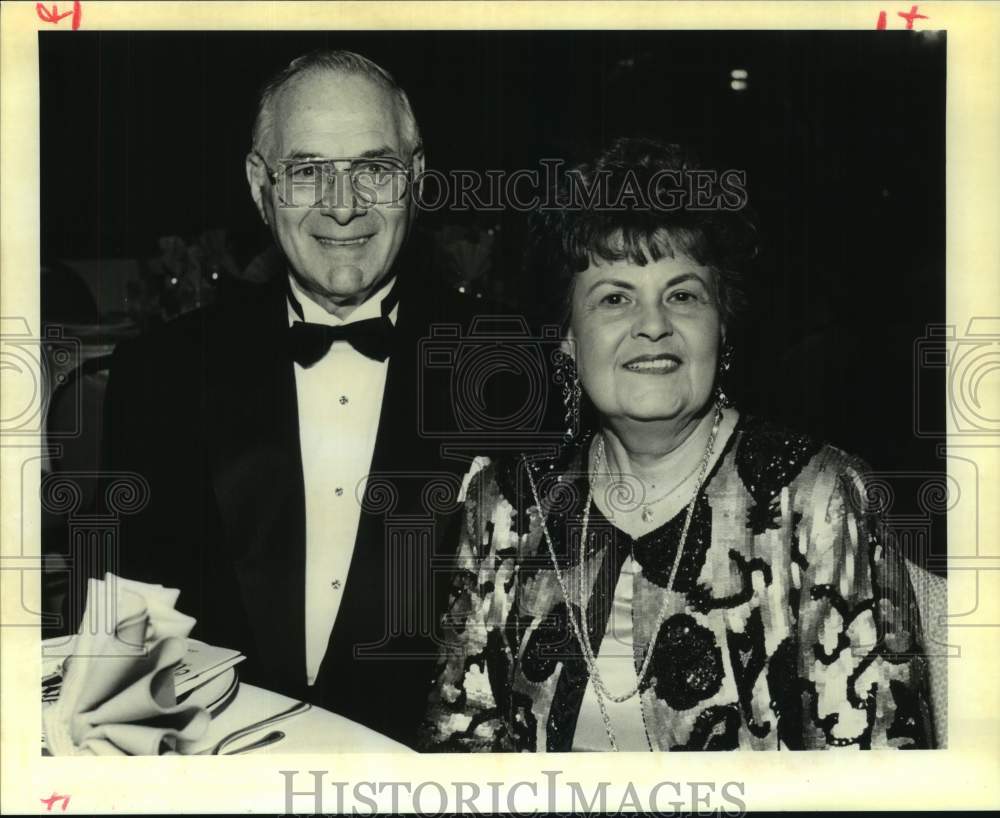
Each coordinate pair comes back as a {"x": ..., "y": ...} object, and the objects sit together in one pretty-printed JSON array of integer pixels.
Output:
[{"x": 616, "y": 666}]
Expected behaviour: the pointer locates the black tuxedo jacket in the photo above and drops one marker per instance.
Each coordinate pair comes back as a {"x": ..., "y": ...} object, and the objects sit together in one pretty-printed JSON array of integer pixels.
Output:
[{"x": 204, "y": 409}]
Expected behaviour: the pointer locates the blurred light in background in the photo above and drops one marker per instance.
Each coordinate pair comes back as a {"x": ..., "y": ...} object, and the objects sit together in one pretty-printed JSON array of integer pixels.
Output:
[{"x": 738, "y": 79}]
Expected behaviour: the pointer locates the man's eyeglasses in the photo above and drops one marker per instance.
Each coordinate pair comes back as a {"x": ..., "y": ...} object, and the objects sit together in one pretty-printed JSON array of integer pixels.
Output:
[{"x": 307, "y": 182}]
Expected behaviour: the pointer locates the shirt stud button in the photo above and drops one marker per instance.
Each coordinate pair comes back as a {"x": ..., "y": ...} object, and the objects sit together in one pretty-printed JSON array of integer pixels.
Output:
[
  {"x": 338, "y": 491},
  {"x": 335, "y": 585},
  {"x": 343, "y": 399}
]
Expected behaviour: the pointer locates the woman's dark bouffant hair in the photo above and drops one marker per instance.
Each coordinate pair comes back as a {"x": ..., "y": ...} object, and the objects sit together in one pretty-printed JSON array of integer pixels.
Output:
[{"x": 567, "y": 237}]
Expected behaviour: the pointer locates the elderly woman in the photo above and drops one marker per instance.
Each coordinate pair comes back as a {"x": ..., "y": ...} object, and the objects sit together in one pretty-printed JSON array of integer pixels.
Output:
[{"x": 681, "y": 577}]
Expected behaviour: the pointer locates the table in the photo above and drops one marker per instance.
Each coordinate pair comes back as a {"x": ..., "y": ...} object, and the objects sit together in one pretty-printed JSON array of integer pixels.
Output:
[{"x": 315, "y": 731}]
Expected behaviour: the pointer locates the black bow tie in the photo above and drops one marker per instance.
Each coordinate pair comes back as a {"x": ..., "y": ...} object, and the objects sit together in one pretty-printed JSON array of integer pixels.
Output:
[
  {"x": 371, "y": 337},
  {"x": 310, "y": 342}
]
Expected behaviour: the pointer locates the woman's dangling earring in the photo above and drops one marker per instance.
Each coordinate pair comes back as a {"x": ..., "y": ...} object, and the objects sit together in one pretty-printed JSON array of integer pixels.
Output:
[
  {"x": 725, "y": 364},
  {"x": 571, "y": 395}
]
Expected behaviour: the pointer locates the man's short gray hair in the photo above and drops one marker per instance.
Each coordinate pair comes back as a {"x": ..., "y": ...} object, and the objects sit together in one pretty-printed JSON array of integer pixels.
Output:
[{"x": 343, "y": 62}]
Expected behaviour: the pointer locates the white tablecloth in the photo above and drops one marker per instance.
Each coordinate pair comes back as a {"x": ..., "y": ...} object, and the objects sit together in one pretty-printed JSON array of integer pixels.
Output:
[{"x": 315, "y": 731}]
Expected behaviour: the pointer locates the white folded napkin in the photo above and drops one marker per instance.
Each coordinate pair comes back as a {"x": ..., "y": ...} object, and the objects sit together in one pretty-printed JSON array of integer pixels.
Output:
[{"x": 117, "y": 695}]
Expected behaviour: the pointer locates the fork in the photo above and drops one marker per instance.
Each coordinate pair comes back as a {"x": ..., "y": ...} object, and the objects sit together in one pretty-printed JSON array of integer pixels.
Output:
[
  {"x": 295, "y": 710},
  {"x": 271, "y": 738}
]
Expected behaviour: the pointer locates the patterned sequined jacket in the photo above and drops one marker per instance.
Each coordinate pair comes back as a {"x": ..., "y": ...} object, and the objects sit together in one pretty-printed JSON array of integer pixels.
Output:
[{"x": 789, "y": 625}]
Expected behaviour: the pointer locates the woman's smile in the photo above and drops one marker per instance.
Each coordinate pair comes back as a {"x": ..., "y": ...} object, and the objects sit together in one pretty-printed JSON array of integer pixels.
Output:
[{"x": 662, "y": 364}]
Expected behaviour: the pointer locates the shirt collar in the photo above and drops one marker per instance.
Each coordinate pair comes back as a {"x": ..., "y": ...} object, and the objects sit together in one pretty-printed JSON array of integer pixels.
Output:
[{"x": 302, "y": 308}]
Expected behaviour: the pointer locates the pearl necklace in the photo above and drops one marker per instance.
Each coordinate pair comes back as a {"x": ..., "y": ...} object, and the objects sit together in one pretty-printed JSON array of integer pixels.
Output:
[{"x": 579, "y": 629}]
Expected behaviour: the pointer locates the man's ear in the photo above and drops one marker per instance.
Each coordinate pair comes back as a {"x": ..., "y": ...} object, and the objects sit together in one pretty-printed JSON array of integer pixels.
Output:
[
  {"x": 257, "y": 179},
  {"x": 418, "y": 162}
]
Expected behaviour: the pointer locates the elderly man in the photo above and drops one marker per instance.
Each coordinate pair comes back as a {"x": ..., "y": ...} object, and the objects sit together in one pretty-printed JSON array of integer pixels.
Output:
[{"x": 257, "y": 422}]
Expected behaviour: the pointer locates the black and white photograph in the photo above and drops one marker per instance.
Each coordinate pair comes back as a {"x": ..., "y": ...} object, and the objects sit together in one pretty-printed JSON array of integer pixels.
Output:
[{"x": 414, "y": 390}]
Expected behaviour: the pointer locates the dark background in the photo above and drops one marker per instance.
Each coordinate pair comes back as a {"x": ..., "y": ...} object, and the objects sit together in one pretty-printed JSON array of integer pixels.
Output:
[{"x": 841, "y": 135}]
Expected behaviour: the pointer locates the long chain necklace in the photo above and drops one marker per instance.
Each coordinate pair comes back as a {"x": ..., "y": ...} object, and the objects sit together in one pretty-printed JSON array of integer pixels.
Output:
[{"x": 579, "y": 629}]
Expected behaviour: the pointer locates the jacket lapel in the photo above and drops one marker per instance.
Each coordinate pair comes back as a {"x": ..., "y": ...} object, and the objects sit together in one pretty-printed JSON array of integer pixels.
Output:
[
  {"x": 402, "y": 458},
  {"x": 256, "y": 469},
  {"x": 379, "y": 652}
]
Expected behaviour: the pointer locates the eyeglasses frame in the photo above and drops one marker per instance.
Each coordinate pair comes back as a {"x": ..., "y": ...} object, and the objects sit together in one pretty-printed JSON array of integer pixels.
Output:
[{"x": 406, "y": 168}]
